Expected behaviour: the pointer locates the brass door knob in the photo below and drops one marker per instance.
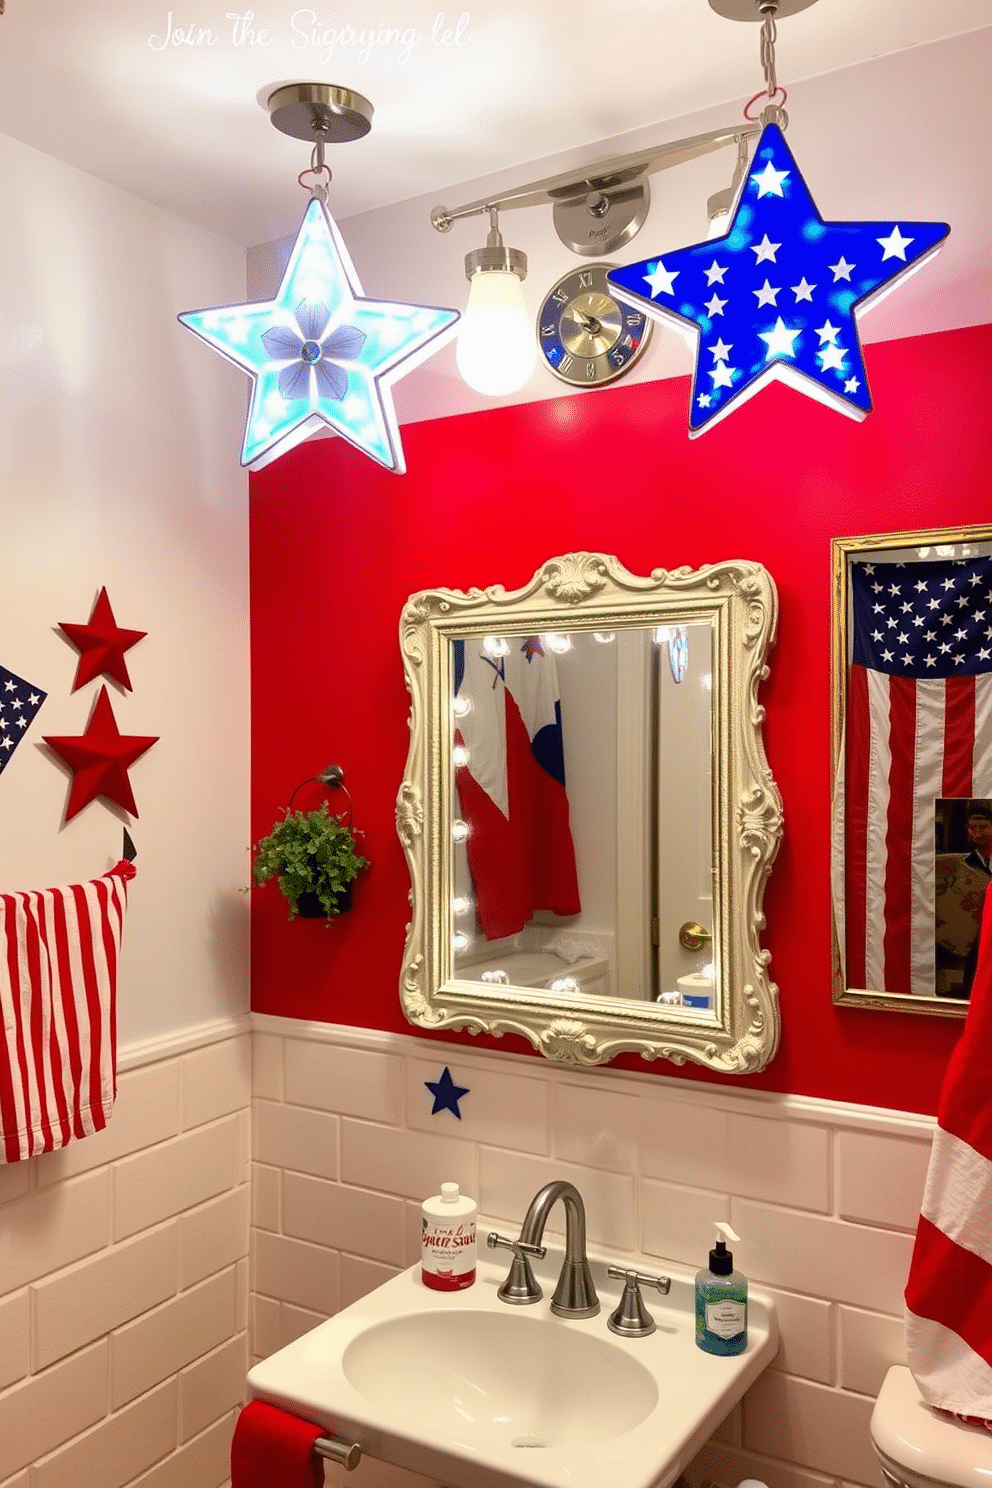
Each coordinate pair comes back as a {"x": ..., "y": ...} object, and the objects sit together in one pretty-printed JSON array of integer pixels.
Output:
[{"x": 692, "y": 936}]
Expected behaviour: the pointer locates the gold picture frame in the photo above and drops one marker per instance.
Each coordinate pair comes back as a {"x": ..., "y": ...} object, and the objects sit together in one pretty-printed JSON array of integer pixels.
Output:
[{"x": 945, "y": 545}]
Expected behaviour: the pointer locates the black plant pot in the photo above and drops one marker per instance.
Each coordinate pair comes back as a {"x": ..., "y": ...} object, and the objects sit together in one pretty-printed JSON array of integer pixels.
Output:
[{"x": 309, "y": 907}]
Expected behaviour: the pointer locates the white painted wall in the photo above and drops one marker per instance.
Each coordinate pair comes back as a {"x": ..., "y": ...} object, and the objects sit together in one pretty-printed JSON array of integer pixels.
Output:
[{"x": 119, "y": 435}]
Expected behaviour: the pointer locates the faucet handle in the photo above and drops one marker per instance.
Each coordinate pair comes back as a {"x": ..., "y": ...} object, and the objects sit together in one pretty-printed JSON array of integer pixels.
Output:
[
  {"x": 519, "y": 1247},
  {"x": 520, "y": 1287},
  {"x": 622, "y": 1273},
  {"x": 631, "y": 1318}
]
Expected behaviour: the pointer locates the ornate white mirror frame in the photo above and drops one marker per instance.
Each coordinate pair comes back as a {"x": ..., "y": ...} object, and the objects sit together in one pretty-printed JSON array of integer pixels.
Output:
[{"x": 594, "y": 592}]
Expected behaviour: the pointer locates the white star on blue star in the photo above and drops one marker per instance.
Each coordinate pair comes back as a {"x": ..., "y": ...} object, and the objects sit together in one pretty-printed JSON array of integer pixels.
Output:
[
  {"x": 778, "y": 245},
  {"x": 321, "y": 355}
]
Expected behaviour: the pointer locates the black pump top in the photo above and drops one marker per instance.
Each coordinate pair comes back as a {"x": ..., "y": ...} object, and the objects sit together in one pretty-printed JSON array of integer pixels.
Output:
[{"x": 721, "y": 1259}]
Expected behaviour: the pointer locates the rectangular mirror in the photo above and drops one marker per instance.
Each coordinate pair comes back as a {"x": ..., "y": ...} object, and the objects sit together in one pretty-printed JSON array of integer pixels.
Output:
[
  {"x": 588, "y": 814},
  {"x": 912, "y": 746}
]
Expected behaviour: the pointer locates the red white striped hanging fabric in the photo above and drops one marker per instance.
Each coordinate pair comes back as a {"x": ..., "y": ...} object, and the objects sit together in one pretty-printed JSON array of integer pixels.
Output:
[
  {"x": 949, "y": 1292},
  {"x": 59, "y": 955}
]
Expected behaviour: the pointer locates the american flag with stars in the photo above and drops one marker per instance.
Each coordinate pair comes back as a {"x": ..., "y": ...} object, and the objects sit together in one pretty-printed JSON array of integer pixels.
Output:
[
  {"x": 918, "y": 727},
  {"x": 777, "y": 295},
  {"x": 19, "y": 702}
]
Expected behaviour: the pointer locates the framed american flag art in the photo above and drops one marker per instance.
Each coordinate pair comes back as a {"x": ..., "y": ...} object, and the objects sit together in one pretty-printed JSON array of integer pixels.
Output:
[{"x": 912, "y": 753}]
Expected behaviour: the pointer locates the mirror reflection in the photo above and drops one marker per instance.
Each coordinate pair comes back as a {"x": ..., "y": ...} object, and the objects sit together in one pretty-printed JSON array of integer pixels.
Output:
[
  {"x": 913, "y": 757},
  {"x": 582, "y": 812}
]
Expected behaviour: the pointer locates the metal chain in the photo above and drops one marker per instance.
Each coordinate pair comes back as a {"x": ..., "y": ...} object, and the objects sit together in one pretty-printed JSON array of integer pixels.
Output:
[
  {"x": 774, "y": 111},
  {"x": 769, "y": 35}
]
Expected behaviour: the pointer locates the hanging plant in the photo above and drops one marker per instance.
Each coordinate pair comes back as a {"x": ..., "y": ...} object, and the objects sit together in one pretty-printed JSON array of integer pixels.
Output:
[{"x": 314, "y": 858}]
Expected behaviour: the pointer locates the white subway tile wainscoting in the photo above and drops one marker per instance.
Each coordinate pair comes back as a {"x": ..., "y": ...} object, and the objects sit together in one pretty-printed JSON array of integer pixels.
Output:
[
  {"x": 824, "y": 1195},
  {"x": 124, "y": 1281},
  {"x": 126, "y": 1293}
]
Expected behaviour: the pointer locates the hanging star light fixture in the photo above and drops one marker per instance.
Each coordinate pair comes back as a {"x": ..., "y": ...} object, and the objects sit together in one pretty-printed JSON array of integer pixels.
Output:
[
  {"x": 779, "y": 295},
  {"x": 319, "y": 354}
]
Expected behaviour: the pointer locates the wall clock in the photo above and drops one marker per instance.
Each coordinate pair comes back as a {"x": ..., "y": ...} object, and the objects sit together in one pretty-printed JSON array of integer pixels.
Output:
[{"x": 586, "y": 337}]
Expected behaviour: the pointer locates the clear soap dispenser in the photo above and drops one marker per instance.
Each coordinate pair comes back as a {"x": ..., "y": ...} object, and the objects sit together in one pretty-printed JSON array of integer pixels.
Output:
[{"x": 721, "y": 1300}]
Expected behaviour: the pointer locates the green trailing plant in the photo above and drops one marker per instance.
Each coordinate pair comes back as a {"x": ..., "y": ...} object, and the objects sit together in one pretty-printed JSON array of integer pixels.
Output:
[{"x": 310, "y": 853}]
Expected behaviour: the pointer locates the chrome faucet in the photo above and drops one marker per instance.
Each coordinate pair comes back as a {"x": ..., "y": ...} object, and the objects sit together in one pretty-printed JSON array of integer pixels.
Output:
[{"x": 575, "y": 1294}]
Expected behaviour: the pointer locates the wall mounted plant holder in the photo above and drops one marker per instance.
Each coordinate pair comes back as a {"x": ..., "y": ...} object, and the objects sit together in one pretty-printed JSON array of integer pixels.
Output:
[{"x": 313, "y": 855}]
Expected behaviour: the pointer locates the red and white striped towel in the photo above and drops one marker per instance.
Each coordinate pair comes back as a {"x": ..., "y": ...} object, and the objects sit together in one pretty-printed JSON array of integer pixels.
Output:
[
  {"x": 949, "y": 1292},
  {"x": 59, "y": 953}
]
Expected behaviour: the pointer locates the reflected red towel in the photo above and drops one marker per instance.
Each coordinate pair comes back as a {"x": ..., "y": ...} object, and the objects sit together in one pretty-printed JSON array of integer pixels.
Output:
[{"x": 271, "y": 1446}]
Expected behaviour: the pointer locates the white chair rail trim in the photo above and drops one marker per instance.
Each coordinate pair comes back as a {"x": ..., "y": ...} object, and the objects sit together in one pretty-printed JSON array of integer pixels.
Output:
[
  {"x": 764, "y": 1103},
  {"x": 182, "y": 1041}
]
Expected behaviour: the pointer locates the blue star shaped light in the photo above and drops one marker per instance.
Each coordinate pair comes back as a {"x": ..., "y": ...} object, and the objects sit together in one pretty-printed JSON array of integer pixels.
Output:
[
  {"x": 320, "y": 354},
  {"x": 778, "y": 296},
  {"x": 446, "y": 1093}
]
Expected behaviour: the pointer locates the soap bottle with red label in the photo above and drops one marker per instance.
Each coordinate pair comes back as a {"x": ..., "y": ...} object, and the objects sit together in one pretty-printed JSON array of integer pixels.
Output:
[{"x": 448, "y": 1245}]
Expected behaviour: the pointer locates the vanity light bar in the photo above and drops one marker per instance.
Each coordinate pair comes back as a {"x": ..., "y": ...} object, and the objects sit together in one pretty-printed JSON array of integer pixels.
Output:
[{"x": 602, "y": 176}]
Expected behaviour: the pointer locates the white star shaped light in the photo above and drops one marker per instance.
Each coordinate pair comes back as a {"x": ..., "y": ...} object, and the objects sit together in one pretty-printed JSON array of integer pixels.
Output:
[
  {"x": 321, "y": 355},
  {"x": 791, "y": 289}
]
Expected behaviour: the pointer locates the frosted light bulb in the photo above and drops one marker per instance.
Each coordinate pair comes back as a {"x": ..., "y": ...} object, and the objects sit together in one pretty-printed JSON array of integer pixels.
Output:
[
  {"x": 719, "y": 224},
  {"x": 496, "y": 351}
]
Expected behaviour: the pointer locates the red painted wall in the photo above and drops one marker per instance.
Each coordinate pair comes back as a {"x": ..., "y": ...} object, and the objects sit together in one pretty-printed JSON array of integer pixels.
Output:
[{"x": 337, "y": 545}]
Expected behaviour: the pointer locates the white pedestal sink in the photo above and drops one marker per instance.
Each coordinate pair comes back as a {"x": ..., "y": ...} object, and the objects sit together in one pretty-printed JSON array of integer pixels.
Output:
[{"x": 471, "y": 1392}]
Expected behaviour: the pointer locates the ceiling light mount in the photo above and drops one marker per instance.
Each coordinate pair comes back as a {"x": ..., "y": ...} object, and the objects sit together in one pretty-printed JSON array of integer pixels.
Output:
[
  {"x": 602, "y": 216},
  {"x": 320, "y": 113},
  {"x": 758, "y": 10}
]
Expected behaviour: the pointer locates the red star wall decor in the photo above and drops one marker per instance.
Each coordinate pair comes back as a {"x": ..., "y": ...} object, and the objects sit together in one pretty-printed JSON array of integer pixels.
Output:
[
  {"x": 101, "y": 645},
  {"x": 100, "y": 759}
]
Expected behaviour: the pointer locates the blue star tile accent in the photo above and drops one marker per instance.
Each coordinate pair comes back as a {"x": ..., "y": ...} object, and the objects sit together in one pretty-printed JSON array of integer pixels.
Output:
[
  {"x": 446, "y": 1093},
  {"x": 321, "y": 355},
  {"x": 778, "y": 296}
]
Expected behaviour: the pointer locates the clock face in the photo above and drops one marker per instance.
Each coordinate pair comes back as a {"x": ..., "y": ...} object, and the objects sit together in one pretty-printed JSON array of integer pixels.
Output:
[{"x": 586, "y": 337}]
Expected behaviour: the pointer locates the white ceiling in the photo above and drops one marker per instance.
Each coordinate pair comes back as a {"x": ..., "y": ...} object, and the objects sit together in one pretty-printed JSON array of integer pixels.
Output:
[{"x": 95, "y": 83}]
